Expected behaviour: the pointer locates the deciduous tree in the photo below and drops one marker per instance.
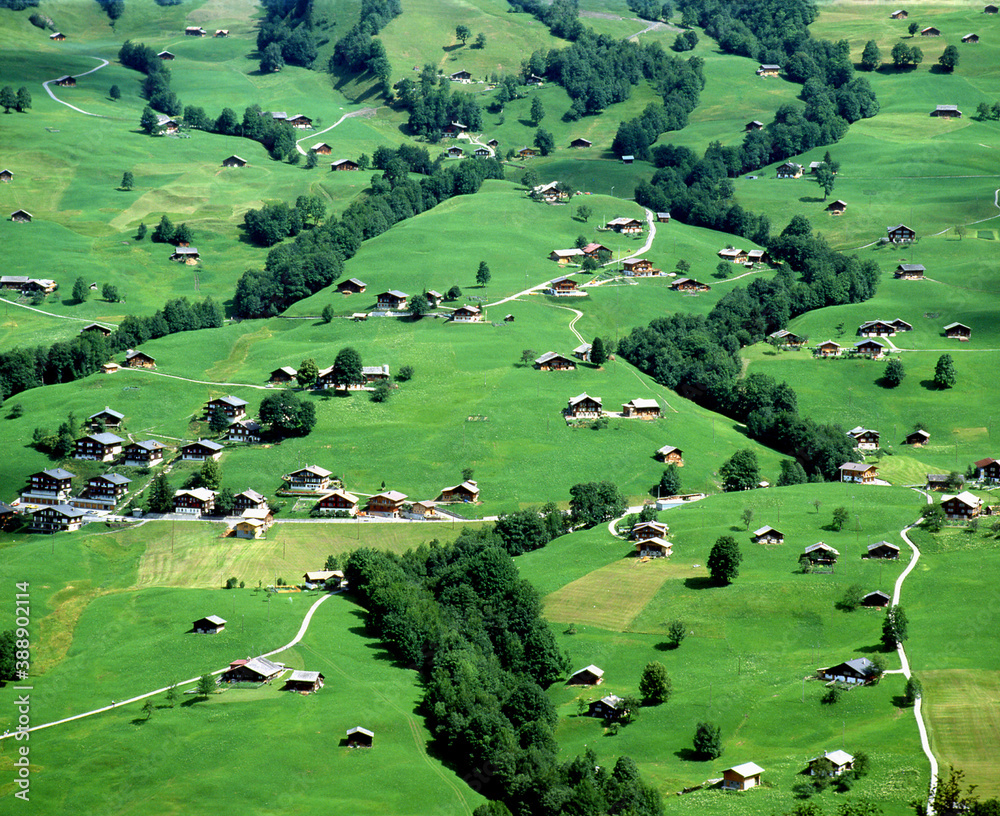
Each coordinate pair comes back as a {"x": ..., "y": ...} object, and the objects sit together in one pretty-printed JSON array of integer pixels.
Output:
[
  {"x": 670, "y": 481},
  {"x": 307, "y": 373},
  {"x": 740, "y": 471},
  {"x": 544, "y": 141},
  {"x": 115, "y": 92},
  {"x": 894, "y": 373},
  {"x": 418, "y": 305},
  {"x": 708, "y": 741},
  {"x": 537, "y": 111},
  {"x": 80, "y": 290},
  {"x": 287, "y": 414},
  {"x": 463, "y": 33},
  {"x": 347, "y": 367},
  {"x": 676, "y": 633},
  {"x": 949, "y": 59},
  {"x": 840, "y": 517},
  {"x": 894, "y": 626},
  {"x": 871, "y": 57},
  {"x": 583, "y": 212},
  {"x": 8, "y": 99},
  {"x": 655, "y": 685},
  {"x": 724, "y": 560},
  {"x": 944, "y": 372},
  {"x": 23, "y": 100},
  {"x": 206, "y": 685}
]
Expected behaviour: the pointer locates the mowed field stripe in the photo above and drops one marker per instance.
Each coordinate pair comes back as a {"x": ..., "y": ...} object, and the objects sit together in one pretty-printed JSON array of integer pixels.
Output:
[
  {"x": 962, "y": 707},
  {"x": 610, "y": 597}
]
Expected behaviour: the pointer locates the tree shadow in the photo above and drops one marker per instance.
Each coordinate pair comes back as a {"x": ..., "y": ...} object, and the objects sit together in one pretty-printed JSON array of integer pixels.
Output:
[
  {"x": 900, "y": 701},
  {"x": 931, "y": 385},
  {"x": 811, "y": 200},
  {"x": 140, "y": 721},
  {"x": 878, "y": 648},
  {"x": 736, "y": 529},
  {"x": 940, "y": 69},
  {"x": 666, "y": 646},
  {"x": 690, "y": 755},
  {"x": 700, "y": 582},
  {"x": 449, "y": 48}
]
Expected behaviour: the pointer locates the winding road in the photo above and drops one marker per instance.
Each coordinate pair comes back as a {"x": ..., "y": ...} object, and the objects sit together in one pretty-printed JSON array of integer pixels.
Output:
[
  {"x": 361, "y": 112},
  {"x": 48, "y": 90}
]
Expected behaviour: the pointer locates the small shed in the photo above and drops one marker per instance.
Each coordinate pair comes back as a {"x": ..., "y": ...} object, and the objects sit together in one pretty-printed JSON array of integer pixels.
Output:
[
  {"x": 305, "y": 681},
  {"x": 970, "y": 38},
  {"x": 580, "y": 142},
  {"x": 838, "y": 207},
  {"x": 918, "y": 437},
  {"x": 670, "y": 455},
  {"x": 840, "y": 761},
  {"x": 821, "y": 553},
  {"x": 742, "y": 777},
  {"x": 607, "y": 708},
  {"x": 588, "y": 676},
  {"x": 21, "y": 216},
  {"x": 359, "y": 737},
  {"x": 957, "y": 331},
  {"x": 883, "y": 549},
  {"x": 211, "y": 625},
  {"x": 6, "y": 176},
  {"x": 878, "y": 598},
  {"x": 234, "y": 161},
  {"x": 768, "y": 535},
  {"x": 66, "y": 81}
]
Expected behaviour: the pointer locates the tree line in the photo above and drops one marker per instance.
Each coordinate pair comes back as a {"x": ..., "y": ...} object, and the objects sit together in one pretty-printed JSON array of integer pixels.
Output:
[
  {"x": 432, "y": 106},
  {"x": 156, "y": 86},
  {"x": 358, "y": 50},
  {"x": 285, "y": 35},
  {"x": 68, "y": 360},
  {"x": 316, "y": 258},
  {"x": 462, "y": 616}
]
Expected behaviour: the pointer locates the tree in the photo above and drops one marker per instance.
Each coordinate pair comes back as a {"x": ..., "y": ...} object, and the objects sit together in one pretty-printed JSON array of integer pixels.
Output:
[
  {"x": 312, "y": 159},
  {"x": 327, "y": 314},
  {"x": 528, "y": 356},
  {"x": 183, "y": 235},
  {"x": 724, "y": 560},
  {"x": 218, "y": 421},
  {"x": 948, "y": 799},
  {"x": 115, "y": 92},
  {"x": 792, "y": 473},
  {"x": 746, "y": 517},
  {"x": 463, "y": 33},
  {"x": 537, "y": 112},
  {"x": 934, "y": 518},
  {"x": 163, "y": 233},
  {"x": 670, "y": 481},
  {"x": 206, "y": 685},
  {"x": 405, "y": 373},
  {"x": 960, "y": 231},
  {"x": 594, "y": 502},
  {"x": 307, "y": 373},
  {"x": 419, "y": 305},
  {"x": 8, "y": 655},
  {"x": 894, "y": 373},
  {"x": 483, "y": 274},
  {"x": 944, "y": 372},
  {"x": 453, "y": 294},
  {"x": 171, "y": 694},
  {"x": 347, "y": 367},
  {"x": 480, "y": 42},
  {"x": 161, "y": 497},
  {"x": 914, "y": 689},
  {"x": 149, "y": 122},
  {"x": 676, "y": 633},
  {"x": 382, "y": 391},
  {"x": 655, "y": 685},
  {"x": 583, "y": 212},
  {"x": 871, "y": 57},
  {"x": 740, "y": 471},
  {"x": 287, "y": 414},
  {"x": 271, "y": 60},
  {"x": 544, "y": 141},
  {"x": 110, "y": 293},
  {"x": 825, "y": 178},
  {"x": 225, "y": 503},
  {"x": 598, "y": 354},
  {"x": 840, "y": 517},
  {"x": 949, "y": 59},
  {"x": 8, "y": 98},
  {"x": 913, "y": 28},
  {"x": 708, "y": 741},
  {"x": 140, "y": 233},
  {"x": 23, "y": 100},
  {"x": 683, "y": 266},
  {"x": 853, "y": 596},
  {"x": 529, "y": 179},
  {"x": 589, "y": 265},
  {"x": 80, "y": 290},
  {"x": 894, "y": 626},
  {"x": 128, "y": 181},
  {"x": 210, "y": 474}
]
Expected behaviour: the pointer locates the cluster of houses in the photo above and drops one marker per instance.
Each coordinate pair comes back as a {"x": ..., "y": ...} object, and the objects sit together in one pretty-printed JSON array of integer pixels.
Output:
[
  {"x": 584, "y": 406},
  {"x": 577, "y": 254},
  {"x": 198, "y": 31},
  {"x": 883, "y": 328},
  {"x": 26, "y": 285}
]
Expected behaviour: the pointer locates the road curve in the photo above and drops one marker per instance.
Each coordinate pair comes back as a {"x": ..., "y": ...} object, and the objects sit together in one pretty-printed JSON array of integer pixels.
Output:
[{"x": 48, "y": 90}]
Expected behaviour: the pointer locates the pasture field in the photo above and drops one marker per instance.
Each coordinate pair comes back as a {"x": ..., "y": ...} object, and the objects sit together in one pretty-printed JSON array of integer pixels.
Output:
[{"x": 750, "y": 646}]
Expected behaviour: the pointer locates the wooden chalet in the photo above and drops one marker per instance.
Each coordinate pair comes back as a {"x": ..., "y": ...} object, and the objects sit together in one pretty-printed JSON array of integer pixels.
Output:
[
  {"x": 388, "y": 503},
  {"x": 102, "y": 492},
  {"x": 25, "y": 285},
  {"x": 938, "y": 481},
  {"x": 425, "y": 509},
  {"x": 991, "y": 9},
  {"x": 197, "y": 502},
  {"x": 988, "y": 470},
  {"x": 663, "y": 217},
  {"x": 300, "y": 121},
  {"x": 352, "y": 286},
  {"x": 581, "y": 142},
  {"x": 870, "y": 348},
  {"x": 930, "y": 31},
  {"x": 6, "y": 176},
  {"x": 166, "y": 124},
  {"x": 256, "y": 670},
  {"x": 194, "y": 31},
  {"x": 434, "y": 298},
  {"x": 58, "y": 36},
  {"x": 607, "y": 708},
  {"x": 565, "y": 256},
  {"x": 961, "y": 506},
  {"x": 57, "y": 518},
  {"x": 584, "y": 406},
  {"x": 234, "y": 161},
  {"x": 359, "y": 737},
  {"x": 907, "y": 271},
  {"x": 858, "y": 472},
  {"x": 552, "y": 361},
  {"x": 789, "y": 170},
  {"x": 628, "y": 159},
  {"x": 146, "y": 453},
  {"x": 467, "y": 314},
  {"x": 757, "y": 256},
  {"x": 582, "y": 352},
  {"x": 455, "y": 128},
  {"x": 828, "y": 349},
  {"x": 309, "y": 479},
  {"x": 250, "y": 528},
  {"x": 768, "y": 70},
  {"x": 668, "y": 454},
  {"x": 201, "y": 450},
  {"x": 641, "y": 409},
  {"x": 51, "y": 486},
  {"x": 138, "y": 359},
  {"x": 338, "y": 501},
  {"x": 232, "y": 407},
  {"x": 108, "y": 416},
  {"x": 639, "y": 268},
  {"x": 654, "y": 547},
  {"x": 783, "y": 337},
  {"x": 249, "y": 500},
  {"x": 970, "y": 39},
  {"x": 66, "y": 81},
  {"x": 733, "y": 254},
  {"x": 99, "y": 447},
  {"x": 918, "y": 438},
  {"x": 768, "y": 535},
  {"x": 947, "y": 112},
  {"x": 899, "y": 14},
  {"x": 878, "y": 598},
  {"x": 96, "y": 328},
  {"x": 864, "y": 438},
  {"x": 625, "y": 226},
  {"x": 876, "y": 328},
  {"x": 392, "y": 300},
  {"x": 840, "y": 761},
  {"x": 322, "y": 148},
  {"x": 326, "y": 578},
  {"x": 821, "y": 553},
  {"x": 588, "y": 676},
  {"x": 689, "y": 285},
  {"x": 859, "y": 671},
  {"x": 21, "y": 217},
  {"x": 467, "y": 491},
  {"x": 741, "y": 777},
  {"x": 563, "y": 286},
  {"x": 454, "y": 152},
  {"x": 343, "y": 164},
  {"x": 753, "y": 125},
  {"x": 221, "y": 32},
  {"x": 526, "y": 152},
  {"x": 900, "y": 234},
  {"x": 644, "y": 530},
  {"x": 552, "y": 192},
  {"x": 110, "y": 367},
  {"x": 185, "y": 254},
  {"x": 373, "y": 374},
  {"x": 210, "y": 625},
  {"x": 594, "y": 250},
  {"x": 957, "y": 331},
  {"x": 481, "y": 152},
  {"x": 305, "y": 682},
  {"x": 494, "y": 143},
  {"x": 883, "y": 549},
  {"x": 166, "y": 55},
  {"x": 285, "y": 374}
]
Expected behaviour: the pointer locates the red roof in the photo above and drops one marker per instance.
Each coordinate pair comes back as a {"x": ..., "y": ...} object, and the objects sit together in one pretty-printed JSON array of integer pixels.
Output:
[
  {"x": 241, "y": 662},
  {"x": 984, "y": 462}
]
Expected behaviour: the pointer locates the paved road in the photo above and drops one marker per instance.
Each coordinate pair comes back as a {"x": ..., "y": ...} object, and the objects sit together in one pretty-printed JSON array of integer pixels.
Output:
[
  {"x": 48, "y": 90},
  {"x": 360, "y": 112}
]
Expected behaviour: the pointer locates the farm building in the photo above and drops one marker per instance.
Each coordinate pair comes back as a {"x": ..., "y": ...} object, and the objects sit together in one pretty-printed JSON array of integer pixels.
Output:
[
  {"x": 392, "y": 300},
  {"x": 628, "y": 159},
  {"x": 878, "y": 598},
  {"x": 145, "y": 453},
  {"x": 309, "y": 479},
  {"x": 97, "y": 328},
  {"x": 338, "y": 500},
  {"x": 783, "y": 337},
  {"x": 249, "y": 500},
  {"x": 21, "y": 217},
  {"x": 194, "y": 31},
  {"x": 957, "y": 331},
  {"x": 594, "y": 250},
  {"x": 790, "y": 170},
  {"x": 138, "y": 359},
  {"x": 423, "y": 510},
  {"x": 588, "y": 676},
  {"x": 918, "y": 437},
  {"x": 639, "y": 268},
  {"x": 100, "y": 447},
  {"x": 198, "y": 501},
  {"x": 166, "y": 55},
  {"x": 584, "y": 405},
  {"x": 234, "y": 161},
  {"x": 256, "y": 670},
  {"x": 188, "y": 254},
  {"x": 108, "y": 416},
  {"x": 580, "y": 142},
  {"x": 467, "y": 314},
  {"x": 648, "y": 529},
  {"x": 102, "y": 492},
  {"x": 352, "y": 286},
  {"x": 454, "y": 152},
  {"x": 930, "y": 31},
  {"x": 768, "y": 535},
  {"x": 6, "y": 176},
  {"x": 876, "y": 328},
  {"x": 232, "y": 407},
  {"x": 865, "y": 438},
  {"x": 753, "y": 125},
  {"x": 221, "y": 32},
  {"x": 343, "y": 164},
  {"x": 322, "y": 148},
  {"x": 938, "y": 481},
  {"x": 900, "y": 234},
  {"x": 947, "y": 112},
  {"x": 870, "y": 348},
  {"x": 251, "y": 528},
  {"x": 582, "y": 352},
  {"x": 625, "y": 225},
  {"x": 359, "y": 737},
  {"x": 991, "y": 9},
  {"x": 689, "y": 285},
  {"x": 526, "y": 153},
  {"x": 821, "y": 553},
  {"x": 564, "y": 256},
  {"x": 66, "y": 81},
  {"x": 455, "y": 128},
  {"x": 243, "y": 430},
  {"x": 988, "y": 470},
  {"x": 883, "y": 549},
  {"x": 970, "y": 39},
  {"x": 742, "y": 777},
  {"x": 768, "y": 70},
  {"x": 388, "y": 503},
  {"x": 563, "y": 286},
  {"x": 641, "y": 409},
  {"x": 481, "y": 152},
  {"x": 371, "y": 374},
  {"x": 324, "y": 578},
  {"x": 467, "y": 491},
  {"x": 858, "y": 671},
  {"x": 654, "y": 547},
  {"x": 962, "y": 506},
  {"x": 211, "y": 625},
  {"x": 663, "y": 217},
  {"x": 434, "y": 298},
  {"x": 552, "y": 192},
  {"x": 670, "y": 455},
  {"x": 305, "y": 682},
  {"x": 58, "y": 518},
  {"x": 828, "y": 349},
  {"x": 839, "y": 760},
  {"x": 733, "y": 254},
  {"x": 607, "y": 708},
  {"x": 907, "y": 271},
  {"x": 899, "y": 15},
  {"x": 552, "y": 361},
  {"x": 201, "y": 450},
  {"x": 166, "y": 124},
  {"x": 838, "y": 207},
  {"x": 494, "y": 143},
  {"x": 858, "y": 472},
  {"x": 58, "y": 36},
  {"x": 460, "y": 76}
]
